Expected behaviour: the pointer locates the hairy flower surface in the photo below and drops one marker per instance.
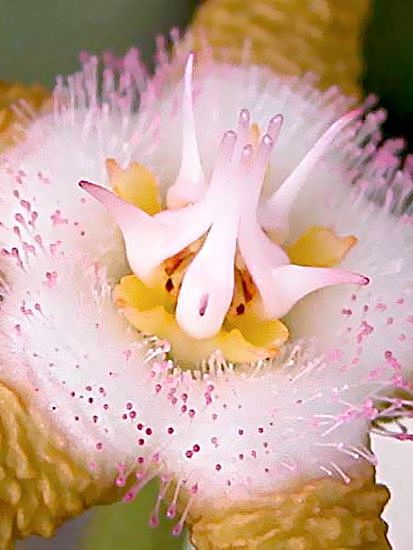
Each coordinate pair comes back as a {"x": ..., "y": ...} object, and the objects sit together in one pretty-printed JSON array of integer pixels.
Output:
[{"x": 231, "y": 187}]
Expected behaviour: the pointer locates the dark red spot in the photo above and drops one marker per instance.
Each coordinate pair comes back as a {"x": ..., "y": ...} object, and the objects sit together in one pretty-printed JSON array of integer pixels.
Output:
[
  {"x": 240, "y": 309},
  {"x": 203, "y": 304}
]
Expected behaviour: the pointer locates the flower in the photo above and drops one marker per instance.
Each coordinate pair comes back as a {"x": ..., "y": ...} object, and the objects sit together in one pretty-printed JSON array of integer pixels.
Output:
[
  {"x": 223, "y": 216},
  {"x": 223, "y": 435}
]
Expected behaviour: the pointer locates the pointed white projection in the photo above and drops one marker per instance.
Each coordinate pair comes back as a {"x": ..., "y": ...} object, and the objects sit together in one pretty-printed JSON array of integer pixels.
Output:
[{"x": 225, "y": 214}]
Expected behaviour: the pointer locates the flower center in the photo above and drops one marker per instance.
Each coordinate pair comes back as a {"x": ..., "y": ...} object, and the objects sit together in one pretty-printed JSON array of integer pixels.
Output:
[{"x": 217, "y": 238}]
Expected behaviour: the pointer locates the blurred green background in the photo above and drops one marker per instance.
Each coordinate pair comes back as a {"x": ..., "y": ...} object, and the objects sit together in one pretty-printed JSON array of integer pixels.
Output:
[{"x": 40, "y": 38}]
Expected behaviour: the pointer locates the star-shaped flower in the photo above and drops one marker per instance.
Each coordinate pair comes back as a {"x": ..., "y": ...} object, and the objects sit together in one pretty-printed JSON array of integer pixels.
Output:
[{"x": 241, "y": 196}]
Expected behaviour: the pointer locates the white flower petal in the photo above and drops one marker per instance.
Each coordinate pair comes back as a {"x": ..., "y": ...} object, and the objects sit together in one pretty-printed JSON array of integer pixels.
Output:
[{"x": 236, "y": 433}]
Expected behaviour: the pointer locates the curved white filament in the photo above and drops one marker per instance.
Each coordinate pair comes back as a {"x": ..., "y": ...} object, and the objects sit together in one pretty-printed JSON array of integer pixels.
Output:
[
  {"x": 190, "y": 184},
  {"x": 274, "y": 214}
]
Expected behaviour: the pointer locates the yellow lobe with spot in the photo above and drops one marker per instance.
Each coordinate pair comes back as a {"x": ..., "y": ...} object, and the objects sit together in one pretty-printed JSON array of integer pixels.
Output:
[{"x": 151, "y": 310}]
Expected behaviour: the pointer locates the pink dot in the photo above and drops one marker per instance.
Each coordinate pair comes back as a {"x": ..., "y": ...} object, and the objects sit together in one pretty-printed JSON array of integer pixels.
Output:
[
  {"x": 120, "y": 482},
  {"x": 171, "y": 511},
  {"x": 154, "y": 521},
  {"x": 177, "y": 530}
]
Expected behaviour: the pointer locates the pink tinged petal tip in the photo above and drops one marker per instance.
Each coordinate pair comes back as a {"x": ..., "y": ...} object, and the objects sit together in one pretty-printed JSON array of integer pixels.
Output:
[
  {"x": 190, "y": 185},
  {"x": 133, "y": 223},
  {"x": 291, "y": 283},
  {"x": 274, "y": 214},
  {"x": 150, "y": 240},
  {"x": 274, "y": 127}
]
